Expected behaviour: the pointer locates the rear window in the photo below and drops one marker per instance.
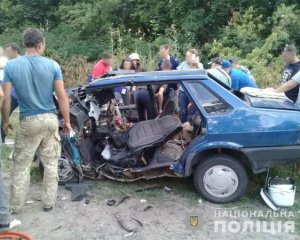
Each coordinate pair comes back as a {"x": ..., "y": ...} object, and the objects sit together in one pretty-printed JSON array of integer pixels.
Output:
[{"x": 211, "y": 103}]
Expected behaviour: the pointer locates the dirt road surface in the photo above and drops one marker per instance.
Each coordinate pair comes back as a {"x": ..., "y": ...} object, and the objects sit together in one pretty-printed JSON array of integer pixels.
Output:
[{"x": 171, "y": 215}]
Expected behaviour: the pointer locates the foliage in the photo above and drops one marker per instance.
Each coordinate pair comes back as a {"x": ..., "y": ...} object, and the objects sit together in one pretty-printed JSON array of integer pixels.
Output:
[
  {"x": 243, "y": 38},
  {"x": 254, "y": 31}
]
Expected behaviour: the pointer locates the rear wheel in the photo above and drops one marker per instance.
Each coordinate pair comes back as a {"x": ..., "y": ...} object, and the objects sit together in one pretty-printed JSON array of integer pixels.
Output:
[
  {"x": 65, "y": 170},
  {"x": 220, "y": 179}
]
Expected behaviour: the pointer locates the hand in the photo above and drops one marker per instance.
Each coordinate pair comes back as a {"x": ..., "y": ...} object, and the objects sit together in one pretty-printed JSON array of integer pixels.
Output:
[
  {"x": 6, "y": 127},
  {"x": 67, "y": 128}
]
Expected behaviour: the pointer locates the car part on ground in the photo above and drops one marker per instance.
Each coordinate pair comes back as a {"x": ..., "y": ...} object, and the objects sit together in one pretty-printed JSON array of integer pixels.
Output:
[{"x": 279, "y": 192}]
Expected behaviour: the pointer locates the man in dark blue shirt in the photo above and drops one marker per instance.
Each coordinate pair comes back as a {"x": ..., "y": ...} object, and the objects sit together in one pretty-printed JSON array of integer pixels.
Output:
[
  {"x": 292, "y": 66},
  {"x": 239, "y": 79},
  {"x": 164, "y": 52}
]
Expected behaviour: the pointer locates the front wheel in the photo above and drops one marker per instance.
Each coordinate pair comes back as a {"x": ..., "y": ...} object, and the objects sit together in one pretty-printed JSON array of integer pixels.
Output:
[
  {"x": 65, "y": 170},
  {"x": 220, "y": 178}
]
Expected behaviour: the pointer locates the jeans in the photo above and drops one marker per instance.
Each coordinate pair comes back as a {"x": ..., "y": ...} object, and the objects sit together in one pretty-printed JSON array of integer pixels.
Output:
[
  {"x": 183, "y": 105},
  {"x": 13, "y": 106},
  {"x": 4, "y": 205},
  {"x": 144, "y": 104}
]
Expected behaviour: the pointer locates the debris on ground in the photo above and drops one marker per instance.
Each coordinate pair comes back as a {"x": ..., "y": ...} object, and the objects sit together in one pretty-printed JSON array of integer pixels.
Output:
[
  {"x": 57, "y": 228},
  {"x": 29, "y": 202},
  {"x": 200, "y": 201},
  {"x": 143, "y": 200},
  {"x": 15, "y": 223},
  {"x": 167, "y": 189},
  {"x": 111, "y": 202},
  {"x": 79, "y": 191},
  {"x": 125, "y": 226},
  {"x": 147, "y": 208},
  {"x": 123, "y": 199},
  {"x": 87, "y": 200},
  {"x": 128, "y": 234}
]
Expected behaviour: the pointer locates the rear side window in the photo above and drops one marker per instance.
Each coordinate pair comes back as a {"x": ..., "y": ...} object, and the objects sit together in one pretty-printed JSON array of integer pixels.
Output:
[{"x": 211, "y": 103}]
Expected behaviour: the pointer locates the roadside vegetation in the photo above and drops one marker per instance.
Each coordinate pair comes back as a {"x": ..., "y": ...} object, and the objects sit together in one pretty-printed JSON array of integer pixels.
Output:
[{"x": 77, "y": 31}]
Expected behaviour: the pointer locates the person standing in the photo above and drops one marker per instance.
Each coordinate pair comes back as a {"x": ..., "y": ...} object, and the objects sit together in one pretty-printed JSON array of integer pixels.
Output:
[
  {"x": 3, "y": 61},
  {"x": 292, "y": 84},
  {"x": 217, "y": 71},
  {"x": 123, "y": 93},
  {"x": 11, "y": 51},
  {"x": 4, "y": 204},
  {"x": 192, "y": 62},
  {"x": 164, "y": 52},
  {"x": 34, "y": 78},
  {"x": 136, "y": 62},
  {"x": 239, "y": 79},
  {"x": 289, "y": 56},
  {"x": 235, "y": 64},
  {"x": 102, "y": 66}
]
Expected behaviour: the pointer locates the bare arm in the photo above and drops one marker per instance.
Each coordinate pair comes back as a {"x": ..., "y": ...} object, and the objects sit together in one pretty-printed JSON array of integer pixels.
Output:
[
  {"x": 63, "y": 103},
  {"x": 7, "y": 87},
  {"x": 287, "y": 86},
  {"x": 160, "y": 98},
  {"x": 1, "y": 97}
]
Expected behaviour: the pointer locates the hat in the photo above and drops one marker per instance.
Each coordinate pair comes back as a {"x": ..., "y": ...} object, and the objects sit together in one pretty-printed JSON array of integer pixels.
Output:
[
  {"x": 217, "y": 60},
  {"x": 226, "y": 64},
  {"x": 134, "y": 56}
]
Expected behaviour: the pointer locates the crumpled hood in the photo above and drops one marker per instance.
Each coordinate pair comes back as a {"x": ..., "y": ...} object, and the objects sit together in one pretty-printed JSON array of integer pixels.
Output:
[{"x": 273, "y": 103}]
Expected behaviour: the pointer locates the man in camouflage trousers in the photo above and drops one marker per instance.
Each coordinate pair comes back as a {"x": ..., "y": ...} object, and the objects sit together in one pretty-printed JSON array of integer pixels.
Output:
[{"x": 34, "y": 79}]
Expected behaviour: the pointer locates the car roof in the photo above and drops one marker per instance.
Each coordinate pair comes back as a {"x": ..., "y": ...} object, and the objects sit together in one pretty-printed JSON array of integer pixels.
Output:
[{"x": 153, "y": 76}]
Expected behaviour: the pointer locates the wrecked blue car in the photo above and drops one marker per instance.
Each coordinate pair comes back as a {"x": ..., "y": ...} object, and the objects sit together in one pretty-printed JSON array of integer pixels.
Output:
[{"x": 229, "y": 132}]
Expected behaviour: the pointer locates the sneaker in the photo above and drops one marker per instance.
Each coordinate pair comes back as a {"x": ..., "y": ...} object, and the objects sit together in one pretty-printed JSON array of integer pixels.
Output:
[
  {"x": 46, "y": 209},
  {"x": 4, "y": 227}
]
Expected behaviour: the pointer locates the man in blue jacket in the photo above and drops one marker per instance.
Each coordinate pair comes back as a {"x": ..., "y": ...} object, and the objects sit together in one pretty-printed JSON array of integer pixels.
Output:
[
  {"x": 239, "y": 79},
  {"x": 164, "y": 52}
]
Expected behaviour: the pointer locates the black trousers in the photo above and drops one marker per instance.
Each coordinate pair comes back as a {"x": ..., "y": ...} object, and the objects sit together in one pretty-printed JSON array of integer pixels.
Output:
[{"x": 145, "y": 105}]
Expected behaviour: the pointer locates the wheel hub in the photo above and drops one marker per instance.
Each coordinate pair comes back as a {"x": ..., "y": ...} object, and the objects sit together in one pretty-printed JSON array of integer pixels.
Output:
[{"x": 220, "y": 181}]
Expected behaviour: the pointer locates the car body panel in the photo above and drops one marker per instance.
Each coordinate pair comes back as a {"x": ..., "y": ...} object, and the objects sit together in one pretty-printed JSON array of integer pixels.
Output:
[{"x": 253, "y": 128}]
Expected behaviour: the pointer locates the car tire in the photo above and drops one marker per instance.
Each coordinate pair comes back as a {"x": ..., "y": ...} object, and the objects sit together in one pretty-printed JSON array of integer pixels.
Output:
[
  {"x": 65, "y": 178},
  {"x": 220, "y": 178}
]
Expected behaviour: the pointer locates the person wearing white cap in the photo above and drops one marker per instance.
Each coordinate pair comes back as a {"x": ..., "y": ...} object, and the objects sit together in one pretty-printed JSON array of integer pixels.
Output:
[{"x": 136, "y": 62}]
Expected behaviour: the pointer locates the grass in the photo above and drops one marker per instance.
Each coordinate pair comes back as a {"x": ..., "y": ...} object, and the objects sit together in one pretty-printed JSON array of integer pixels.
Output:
[{"x": 179, "y": 187}]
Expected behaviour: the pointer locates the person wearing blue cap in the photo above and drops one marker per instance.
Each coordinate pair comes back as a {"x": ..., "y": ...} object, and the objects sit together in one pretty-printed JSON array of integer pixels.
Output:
[{"x": 239, "y": 79}]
